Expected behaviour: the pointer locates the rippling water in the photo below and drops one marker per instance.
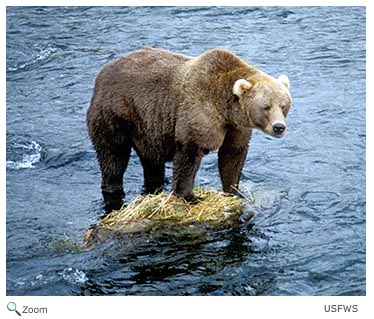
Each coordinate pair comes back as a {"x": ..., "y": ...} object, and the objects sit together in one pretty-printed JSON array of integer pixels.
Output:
[{"x": 308, "y": 234}]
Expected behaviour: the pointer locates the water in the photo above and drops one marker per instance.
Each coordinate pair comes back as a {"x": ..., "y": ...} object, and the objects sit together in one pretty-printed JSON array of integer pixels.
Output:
[{"x": 308, "y": 234}]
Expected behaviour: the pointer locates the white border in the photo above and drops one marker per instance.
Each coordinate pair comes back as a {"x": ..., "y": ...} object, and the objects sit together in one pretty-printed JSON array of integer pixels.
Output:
[
  {"x": 183, "y": 3},
  {"x": 189, "y": 307}
]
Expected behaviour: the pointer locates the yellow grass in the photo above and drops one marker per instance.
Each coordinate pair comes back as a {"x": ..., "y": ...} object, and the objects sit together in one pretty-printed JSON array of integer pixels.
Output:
[{"x": 147, "y": 211}]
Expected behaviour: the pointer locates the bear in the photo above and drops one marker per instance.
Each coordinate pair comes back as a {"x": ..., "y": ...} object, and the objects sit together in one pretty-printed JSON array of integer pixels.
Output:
[{"x": 172, "y": 107}]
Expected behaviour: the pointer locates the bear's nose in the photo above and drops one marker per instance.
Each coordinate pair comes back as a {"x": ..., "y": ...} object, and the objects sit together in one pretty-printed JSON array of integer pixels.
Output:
[{"x": 279, "y": 128}]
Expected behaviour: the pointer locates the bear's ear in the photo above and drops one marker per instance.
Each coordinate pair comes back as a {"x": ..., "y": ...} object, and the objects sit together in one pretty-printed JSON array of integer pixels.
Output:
[
  {"x": 284, "y": 80},
  {"x": 241, "y": 86}
]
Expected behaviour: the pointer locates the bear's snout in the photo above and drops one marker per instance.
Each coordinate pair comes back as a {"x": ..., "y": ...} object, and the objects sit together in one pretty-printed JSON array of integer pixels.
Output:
[{"x": 278, "y": 129}]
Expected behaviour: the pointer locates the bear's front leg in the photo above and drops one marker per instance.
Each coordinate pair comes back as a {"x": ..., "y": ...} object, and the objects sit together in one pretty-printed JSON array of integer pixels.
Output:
[
  {"x": 231, "y": 158},
  {"x": 186, "y": 163}
]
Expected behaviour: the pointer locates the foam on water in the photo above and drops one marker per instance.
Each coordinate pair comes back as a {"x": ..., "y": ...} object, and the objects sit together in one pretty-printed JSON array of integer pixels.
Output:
[
  {"x": 43, "y": 54},
  {"x": 32, "y": 155},
  {"x": 74, "y": 275}
]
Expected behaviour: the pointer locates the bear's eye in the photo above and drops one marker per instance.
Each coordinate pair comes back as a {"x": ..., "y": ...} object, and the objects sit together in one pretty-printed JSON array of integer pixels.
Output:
[{"x": 267, "y": 107}]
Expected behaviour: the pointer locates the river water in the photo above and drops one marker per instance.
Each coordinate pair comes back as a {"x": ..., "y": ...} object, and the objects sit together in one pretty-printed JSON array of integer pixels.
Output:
[{"x": 308, "y": 234}]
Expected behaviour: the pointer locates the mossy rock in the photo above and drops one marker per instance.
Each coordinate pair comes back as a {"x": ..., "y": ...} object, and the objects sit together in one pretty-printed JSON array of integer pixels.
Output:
[{"x": 64, "y": 245}]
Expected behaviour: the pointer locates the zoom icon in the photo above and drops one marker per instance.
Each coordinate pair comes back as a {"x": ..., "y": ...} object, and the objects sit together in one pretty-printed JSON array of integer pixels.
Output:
[{"x": 13, "y": 307}]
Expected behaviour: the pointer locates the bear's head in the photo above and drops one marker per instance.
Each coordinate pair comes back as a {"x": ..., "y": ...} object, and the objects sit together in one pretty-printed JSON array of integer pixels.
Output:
[{"x": 265, "y": 102}]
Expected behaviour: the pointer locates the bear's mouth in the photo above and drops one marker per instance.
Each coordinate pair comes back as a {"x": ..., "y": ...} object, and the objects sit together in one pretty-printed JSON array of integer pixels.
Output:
[{"x": 279, "y": 135}]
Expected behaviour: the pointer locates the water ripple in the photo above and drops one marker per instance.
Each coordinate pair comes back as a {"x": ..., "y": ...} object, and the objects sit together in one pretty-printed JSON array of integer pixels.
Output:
[
  {"x": 42, "y": 56},
  {"x": 30, "y": 152}
]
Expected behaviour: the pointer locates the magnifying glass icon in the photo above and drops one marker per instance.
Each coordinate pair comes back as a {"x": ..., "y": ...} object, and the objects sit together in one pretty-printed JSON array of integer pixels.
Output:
[{"x": 12, "y": 307}]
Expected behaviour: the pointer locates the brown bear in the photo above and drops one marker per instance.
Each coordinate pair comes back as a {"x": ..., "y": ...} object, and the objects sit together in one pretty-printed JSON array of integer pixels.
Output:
[{"x": 172, "y": 107}]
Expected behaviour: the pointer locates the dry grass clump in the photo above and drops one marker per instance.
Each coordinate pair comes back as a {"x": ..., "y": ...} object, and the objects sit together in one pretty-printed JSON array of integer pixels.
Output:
[{"x": 146, "y": 211}]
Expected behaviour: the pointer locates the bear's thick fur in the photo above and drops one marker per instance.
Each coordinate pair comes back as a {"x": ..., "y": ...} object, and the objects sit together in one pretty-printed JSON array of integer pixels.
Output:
[{"x": 172, "y": 107}]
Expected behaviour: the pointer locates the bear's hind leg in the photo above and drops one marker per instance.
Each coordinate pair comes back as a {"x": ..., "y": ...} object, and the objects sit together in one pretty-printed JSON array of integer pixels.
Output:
[
  {"x": 113, "y": 164},
  {"x": 154, "y": 176}
]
